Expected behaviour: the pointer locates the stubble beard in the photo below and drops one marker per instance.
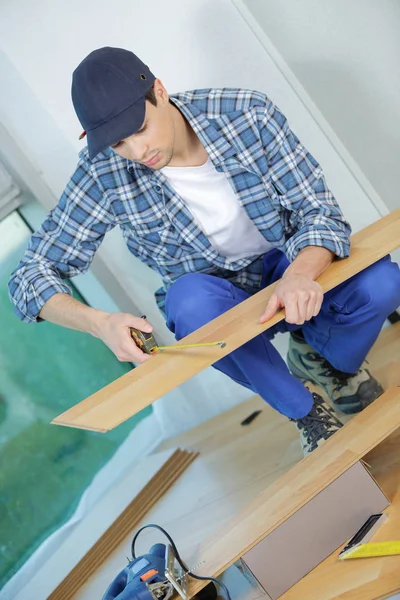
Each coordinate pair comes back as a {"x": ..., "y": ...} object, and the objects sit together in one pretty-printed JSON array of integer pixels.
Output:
[{"x": 168, "y": 159}]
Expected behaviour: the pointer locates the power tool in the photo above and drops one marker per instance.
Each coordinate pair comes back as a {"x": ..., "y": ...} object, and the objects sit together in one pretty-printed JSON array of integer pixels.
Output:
[
  {"x": 157, "y": 575},
  {"x": 144, "y": 578}
]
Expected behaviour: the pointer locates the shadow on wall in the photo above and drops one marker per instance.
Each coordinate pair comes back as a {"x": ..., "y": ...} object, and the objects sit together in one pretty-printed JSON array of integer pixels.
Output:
[{"x": 358, "y": 118}]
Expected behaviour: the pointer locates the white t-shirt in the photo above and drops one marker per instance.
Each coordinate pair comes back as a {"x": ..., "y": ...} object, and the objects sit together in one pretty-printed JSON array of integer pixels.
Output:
[{"x": 217, "y": 211}]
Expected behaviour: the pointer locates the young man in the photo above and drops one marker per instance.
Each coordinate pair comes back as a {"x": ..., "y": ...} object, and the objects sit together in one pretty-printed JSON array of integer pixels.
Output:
[{"x": 213, "y": 190}]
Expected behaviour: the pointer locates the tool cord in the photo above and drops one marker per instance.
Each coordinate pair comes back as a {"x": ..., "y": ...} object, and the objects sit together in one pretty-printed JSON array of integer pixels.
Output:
[{"x": 178, "y": 557}]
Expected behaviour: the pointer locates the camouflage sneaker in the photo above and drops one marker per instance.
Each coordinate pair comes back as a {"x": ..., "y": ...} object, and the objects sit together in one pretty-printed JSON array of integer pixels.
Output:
[
  {"x": 318, "y": 426},
  {"x": 349, "y": 393}
]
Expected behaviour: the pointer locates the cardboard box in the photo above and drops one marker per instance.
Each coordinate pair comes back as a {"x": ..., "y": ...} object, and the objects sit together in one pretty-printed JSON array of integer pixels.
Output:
[{"x": 316, "y": 530}]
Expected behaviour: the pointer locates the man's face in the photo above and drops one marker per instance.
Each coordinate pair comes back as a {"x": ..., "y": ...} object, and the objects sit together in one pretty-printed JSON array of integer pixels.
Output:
[{"x": 153, "y": 144}]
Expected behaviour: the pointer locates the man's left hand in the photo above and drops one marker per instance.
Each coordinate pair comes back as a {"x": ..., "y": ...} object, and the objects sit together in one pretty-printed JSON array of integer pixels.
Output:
[{"x": 301, "y": 297}]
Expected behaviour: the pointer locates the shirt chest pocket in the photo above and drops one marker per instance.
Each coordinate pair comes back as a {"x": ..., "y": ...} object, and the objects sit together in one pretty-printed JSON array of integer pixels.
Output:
[{"x": 157, "y": 237}]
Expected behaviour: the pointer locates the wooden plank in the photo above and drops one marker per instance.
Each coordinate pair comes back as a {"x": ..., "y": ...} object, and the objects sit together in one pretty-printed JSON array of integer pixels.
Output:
[
  {"x": 235, "y": 464},
  {"x": 246, "y": 480},
  {"x": 93, "y": 540},
  {"x": 384, "y": 357},
  {"x": 296, "y": 487},
  {"x": 132, "y": 392},
  {"x": 332, "y": 579},
  {"x": 370, "y": 578},
  {"x": 374, "y": 578},
  {"x": 125, "y": 523}
]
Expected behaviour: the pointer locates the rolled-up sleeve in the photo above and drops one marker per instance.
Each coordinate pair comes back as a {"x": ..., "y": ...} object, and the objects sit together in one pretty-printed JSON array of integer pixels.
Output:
[
  {"x": 313, "y": 214},
  {"x": 63, "y": 247}
]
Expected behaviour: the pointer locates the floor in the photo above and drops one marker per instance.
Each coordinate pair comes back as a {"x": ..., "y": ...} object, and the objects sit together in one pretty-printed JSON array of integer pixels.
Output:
[{"x": 240, "y": 596}]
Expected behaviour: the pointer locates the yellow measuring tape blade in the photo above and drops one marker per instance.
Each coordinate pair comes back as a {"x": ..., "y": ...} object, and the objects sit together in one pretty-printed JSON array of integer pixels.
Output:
[
  {"x": 184, "y": 346},
  {"x": 372, "y": 549}
]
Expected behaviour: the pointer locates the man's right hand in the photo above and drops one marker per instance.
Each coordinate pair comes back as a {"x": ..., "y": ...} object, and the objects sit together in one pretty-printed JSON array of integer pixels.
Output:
[{"x": 114, "y": 330}]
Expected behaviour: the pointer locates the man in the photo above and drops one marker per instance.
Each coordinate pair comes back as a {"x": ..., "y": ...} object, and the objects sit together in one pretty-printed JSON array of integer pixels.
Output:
[{"x": 213, "y": 190}]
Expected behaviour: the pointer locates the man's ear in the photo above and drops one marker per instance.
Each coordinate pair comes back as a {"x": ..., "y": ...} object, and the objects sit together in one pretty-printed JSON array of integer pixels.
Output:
[{"x": 160, "y": 92}]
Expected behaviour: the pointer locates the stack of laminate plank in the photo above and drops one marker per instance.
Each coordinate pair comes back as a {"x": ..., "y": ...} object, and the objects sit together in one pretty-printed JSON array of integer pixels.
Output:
[
  {"x": 158, "y": 471},
  {"x": 249, "y": 479},
  {"x": 239, "y": 463}
]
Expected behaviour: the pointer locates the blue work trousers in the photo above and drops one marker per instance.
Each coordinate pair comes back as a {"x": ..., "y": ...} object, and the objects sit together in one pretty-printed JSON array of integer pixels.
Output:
[{"x": 348, "y": 324}]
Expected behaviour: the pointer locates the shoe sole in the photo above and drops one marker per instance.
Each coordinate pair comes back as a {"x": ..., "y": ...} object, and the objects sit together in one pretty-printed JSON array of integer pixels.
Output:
[{"x": 346, "y": 409}]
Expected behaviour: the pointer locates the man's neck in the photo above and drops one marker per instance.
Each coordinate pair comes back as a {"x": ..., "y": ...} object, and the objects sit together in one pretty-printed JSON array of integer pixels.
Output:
[{"x": 188, "y": 150}]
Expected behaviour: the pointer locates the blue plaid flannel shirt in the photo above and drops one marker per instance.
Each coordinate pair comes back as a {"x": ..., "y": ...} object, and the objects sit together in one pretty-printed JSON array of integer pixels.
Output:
[{"x": 279, "y": 184}]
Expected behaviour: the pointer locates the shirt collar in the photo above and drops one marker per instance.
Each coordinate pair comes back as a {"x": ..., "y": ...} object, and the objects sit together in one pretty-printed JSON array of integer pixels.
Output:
[{"x": 216, "y": 145}]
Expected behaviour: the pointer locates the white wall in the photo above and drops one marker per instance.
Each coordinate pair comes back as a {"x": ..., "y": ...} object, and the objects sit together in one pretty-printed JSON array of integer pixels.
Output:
[
  {"x": 346, "y": 53},
  {"x": 196, "y": 43}
]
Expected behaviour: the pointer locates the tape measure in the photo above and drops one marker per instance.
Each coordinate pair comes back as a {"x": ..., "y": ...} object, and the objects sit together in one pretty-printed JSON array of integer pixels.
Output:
[
  {"x": 372, "y": 549},
  {"x": 147, "y": 342},
  {"x": 144, "y": 341},
  {"x": 360, "y": 547}
]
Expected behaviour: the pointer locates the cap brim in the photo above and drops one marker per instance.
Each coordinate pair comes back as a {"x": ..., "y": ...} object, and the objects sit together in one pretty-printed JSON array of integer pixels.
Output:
[{"x": 119, "y": 127}]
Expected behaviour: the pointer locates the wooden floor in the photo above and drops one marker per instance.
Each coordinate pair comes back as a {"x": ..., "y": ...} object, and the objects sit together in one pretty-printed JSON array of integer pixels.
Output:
[
  {"x": 384, "y": 358},
  {"x": 216, "y": 486},
  {"x": 366, "y": 579},
  {"x": 371, "y": 578},
  {"x": 234, "y": 458}
]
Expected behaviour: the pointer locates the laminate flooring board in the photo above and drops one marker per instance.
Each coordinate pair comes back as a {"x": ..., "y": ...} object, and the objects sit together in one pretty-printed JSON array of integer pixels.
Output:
[
  {"x": 241, "y": 468},
  {"x": 247, "y": 482},
  {"x": 235, "y": 462},
  {"x": 384, "y": 357},
  {"x": 91, "y": 541},
  {"x": 296, "y": 487},
  {"x": 369, "y": 578},
  {"x": 124, "y": 524},
  {"x": 129, "y": 394}
]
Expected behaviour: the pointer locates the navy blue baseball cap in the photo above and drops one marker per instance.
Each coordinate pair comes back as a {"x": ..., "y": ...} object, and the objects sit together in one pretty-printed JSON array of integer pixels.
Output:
[{"x": 108, "y": 93}]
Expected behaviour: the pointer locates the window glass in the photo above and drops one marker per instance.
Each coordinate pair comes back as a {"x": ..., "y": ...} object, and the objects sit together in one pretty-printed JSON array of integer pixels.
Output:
[{"x": 44, "y": 370}]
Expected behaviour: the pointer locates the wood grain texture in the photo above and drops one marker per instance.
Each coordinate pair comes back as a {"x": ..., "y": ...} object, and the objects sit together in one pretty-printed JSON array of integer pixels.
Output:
[
  {"x": 235, "y": 464},
  {"x": 124, "y": 525},
  {"x": 132, "y": 392},
  {"x": 296, "y": 487},
  {"x": 247, "y": 480},
  {"x": 384, "y": 357},
  {"x": 369, "y": 578}
]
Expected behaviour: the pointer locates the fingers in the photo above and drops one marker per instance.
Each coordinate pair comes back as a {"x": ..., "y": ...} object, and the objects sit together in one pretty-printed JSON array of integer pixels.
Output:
[
  {"x": 135, "y": 355},
  {"x": 114, "y": 331},
  {"x": 301, "y": 306},
  {"x": 272, "y": 307},
  {"x": 314, "y": 306},
  {"x": 128, "y": 351},
  {"x": 139, "y": 323},
  {"x": 293, "y": 308}
]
